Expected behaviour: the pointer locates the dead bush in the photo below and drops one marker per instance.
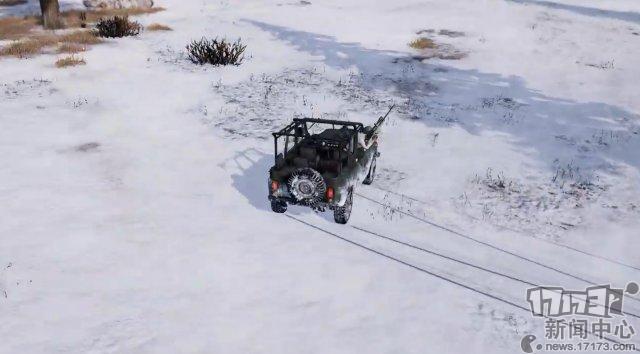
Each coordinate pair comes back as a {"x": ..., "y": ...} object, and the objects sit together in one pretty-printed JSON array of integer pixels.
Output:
[
  {"x": 117, "y": 26},
  {"x": 69, "y": 61},
  {"x": 216, "y": 52},
  {"x": 158, "y": 27}
]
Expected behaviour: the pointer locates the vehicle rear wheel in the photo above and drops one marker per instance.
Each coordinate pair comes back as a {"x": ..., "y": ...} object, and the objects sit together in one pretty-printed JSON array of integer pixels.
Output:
[
  {"x": 342, "y": 214},
  {"x": 278, "y": 206},
  {"x": 372, "y": 172}
]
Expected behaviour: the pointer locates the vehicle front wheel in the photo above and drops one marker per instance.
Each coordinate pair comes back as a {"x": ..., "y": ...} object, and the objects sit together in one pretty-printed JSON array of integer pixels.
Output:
[
  {"x": 278, "y": 206},
  {"x": 372, "y": 172},
  {"x": 341, "y": 214}
]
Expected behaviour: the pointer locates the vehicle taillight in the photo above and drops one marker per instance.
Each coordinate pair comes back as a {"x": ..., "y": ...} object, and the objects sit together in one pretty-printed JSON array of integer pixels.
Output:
[
  {"x": 330, "y": 193},
  {"x": 274, "y": 186}
]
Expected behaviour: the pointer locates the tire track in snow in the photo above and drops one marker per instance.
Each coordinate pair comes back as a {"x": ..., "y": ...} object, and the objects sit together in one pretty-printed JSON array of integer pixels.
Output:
[
  {"x": 453, "y": 259},
  {"x": 439, "y": 276},
  {"x": 486, "y": 244},
  {"x": 519, "y": 233}
]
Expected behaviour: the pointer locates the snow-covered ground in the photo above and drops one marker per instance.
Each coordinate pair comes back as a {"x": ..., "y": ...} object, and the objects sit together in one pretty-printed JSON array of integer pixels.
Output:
[{"x": 134, "y": 218}]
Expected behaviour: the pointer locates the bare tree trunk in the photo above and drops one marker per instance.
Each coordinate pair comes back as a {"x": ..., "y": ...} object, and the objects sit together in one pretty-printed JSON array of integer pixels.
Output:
[{"x": 50, "y": 14}]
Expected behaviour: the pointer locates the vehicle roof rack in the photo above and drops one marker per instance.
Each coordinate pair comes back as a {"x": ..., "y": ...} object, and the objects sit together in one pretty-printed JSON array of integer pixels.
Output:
[
  {"x": 328, "y": 121},
  {"x": 303, "y": 121}
]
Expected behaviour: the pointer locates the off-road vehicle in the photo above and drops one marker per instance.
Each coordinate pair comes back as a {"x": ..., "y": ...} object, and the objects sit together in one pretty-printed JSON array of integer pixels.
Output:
[{"x": 321, "y": 170}]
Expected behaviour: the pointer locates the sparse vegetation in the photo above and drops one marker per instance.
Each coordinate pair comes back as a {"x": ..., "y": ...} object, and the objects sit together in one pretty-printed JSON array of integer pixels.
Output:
[
  {"x": 16, "y": 27},
  {"x": 26, "y": 48},
  {"x": 75, "y": 18},
  {"x": 117, "y": 26},
  {"x": 27, "y": 43},
  {"x": 71, "y": 48},
  {"x": 216, "y": 52},
  {"x": 80, "y": 37},
  {"x": 69, "y": 61},
  {"x": 21, "y": 49},
  {"x": 158, "y": 27},
  {"x": 423, "y": 43}
]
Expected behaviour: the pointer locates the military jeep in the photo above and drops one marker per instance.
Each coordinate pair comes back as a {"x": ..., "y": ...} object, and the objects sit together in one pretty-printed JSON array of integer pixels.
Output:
[{"x": 319, "y": 163}]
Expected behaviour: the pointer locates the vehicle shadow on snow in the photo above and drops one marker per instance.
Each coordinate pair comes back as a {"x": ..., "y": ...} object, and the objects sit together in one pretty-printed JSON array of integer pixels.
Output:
[
  {"x": 594, "y": 135},
  {"x": 251, "y": 177},
  {"x": 251, "y": 180}
]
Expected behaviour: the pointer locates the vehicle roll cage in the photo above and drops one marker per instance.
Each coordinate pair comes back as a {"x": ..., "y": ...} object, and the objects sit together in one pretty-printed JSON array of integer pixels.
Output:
[{"x": 299, "y": 129}]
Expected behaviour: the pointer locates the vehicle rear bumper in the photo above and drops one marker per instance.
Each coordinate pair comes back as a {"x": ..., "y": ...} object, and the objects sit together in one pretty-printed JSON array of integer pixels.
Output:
[{"x": 293, "y": 201}]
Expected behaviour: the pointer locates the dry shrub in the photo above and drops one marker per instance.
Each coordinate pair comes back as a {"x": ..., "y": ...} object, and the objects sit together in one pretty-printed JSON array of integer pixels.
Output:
[
  {"x": 71, "y": 48},
  {"x": 423, "y": 43},
  {"x": 69, "y": 61},
  {"x": 158, "y": 27},
  {"x": 116, "y": 27},
  {"x": 216, "y": 52},
  {"x": 16, "y": 27}
]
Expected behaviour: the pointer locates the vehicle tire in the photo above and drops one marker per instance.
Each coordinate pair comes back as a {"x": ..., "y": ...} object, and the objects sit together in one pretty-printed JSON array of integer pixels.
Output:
[
  {"x": 278, "y": 206},
  {"x": 372, "y": 172},
  {"x": 342, "y": 214}
]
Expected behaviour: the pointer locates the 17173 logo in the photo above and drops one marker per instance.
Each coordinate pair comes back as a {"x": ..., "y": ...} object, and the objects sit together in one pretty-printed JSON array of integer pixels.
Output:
[
  {"x": 597, "y": 301},
  {"x": 595, "y": 314}
]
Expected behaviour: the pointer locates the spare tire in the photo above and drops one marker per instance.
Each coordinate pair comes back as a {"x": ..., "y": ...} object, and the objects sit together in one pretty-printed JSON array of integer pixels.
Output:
[{"x": 307, "y": 186}]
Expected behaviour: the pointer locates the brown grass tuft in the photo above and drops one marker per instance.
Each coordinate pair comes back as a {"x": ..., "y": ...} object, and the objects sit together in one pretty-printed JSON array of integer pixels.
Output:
[
  {"x": 29, "y": 47},
  {"x": 21, "y": 49},
  {"x": 69, "y": 61},
  {"x": 423, "y": 43},
  {"x": 73, "y": 18},
  {"x": 16, "y": 27},
  {"x": 80, "y": 37},
  {"x": 71, "y": 48},
  {"x": 158, "y": 27},
  {"x": 26, "y": 43}
]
